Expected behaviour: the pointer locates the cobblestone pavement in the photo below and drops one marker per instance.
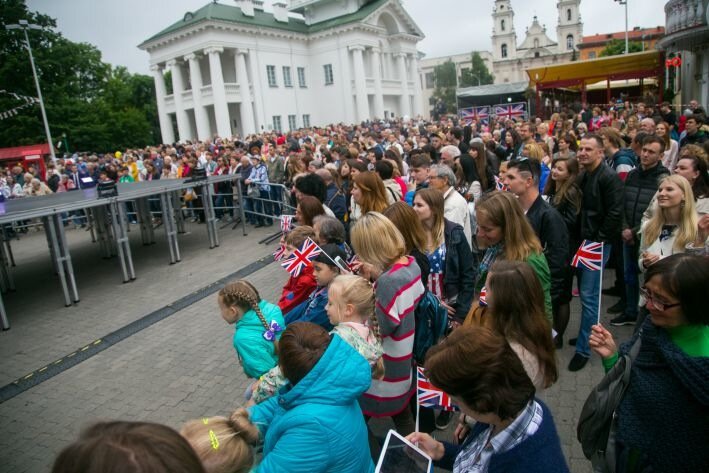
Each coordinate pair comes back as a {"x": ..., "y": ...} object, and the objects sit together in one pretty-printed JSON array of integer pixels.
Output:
[{"x": 180, "y": 368}]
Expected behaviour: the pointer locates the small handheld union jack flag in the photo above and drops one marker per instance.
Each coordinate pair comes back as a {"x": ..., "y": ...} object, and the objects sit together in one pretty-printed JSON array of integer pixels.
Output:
[
  {"x": 430, "y": 396},
  {"x": 278, "y": 254},
  {"x": 589, "y": 256},
  {"x": 482, "y": 298},
  {"x": 500, "y": 185},
  {"x": 301, "y": 258},
  {"x": 286, "y": 223}
]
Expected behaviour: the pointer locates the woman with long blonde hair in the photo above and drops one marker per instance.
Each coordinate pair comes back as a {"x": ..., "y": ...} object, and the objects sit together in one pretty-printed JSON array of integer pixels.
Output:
[
  {"x": 673, "y": 226},
  {"x": 505, "y": 233}
]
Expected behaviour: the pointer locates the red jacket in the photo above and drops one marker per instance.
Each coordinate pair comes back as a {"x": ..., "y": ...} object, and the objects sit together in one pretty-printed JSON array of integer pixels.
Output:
[{"x": 297, "y": 290}]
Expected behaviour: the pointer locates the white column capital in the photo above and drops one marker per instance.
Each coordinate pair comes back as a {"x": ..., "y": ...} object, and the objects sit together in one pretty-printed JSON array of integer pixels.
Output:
[
  {"x": 190, "y": 57},
  {"x": 401, "y": 55},
  {"x": 172, "y": 63},
  {"x": 356, "y": 47},
  {"x": 241, "y": 52},
  {"x": 377, "y": 50},
  {"x": 156, "y": 68},
  {"x": 214, "y": 50}
]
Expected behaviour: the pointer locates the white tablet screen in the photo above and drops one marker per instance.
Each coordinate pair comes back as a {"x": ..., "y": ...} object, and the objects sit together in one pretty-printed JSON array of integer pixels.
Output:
[{"x": 400, "y": 457}]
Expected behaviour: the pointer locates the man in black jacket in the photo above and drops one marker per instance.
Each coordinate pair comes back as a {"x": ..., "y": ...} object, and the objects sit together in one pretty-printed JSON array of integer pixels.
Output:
[
  {"x": 640, "y": 187},
  {"x": 601, "y": 221},
  {"x": 523, "y": 180}
]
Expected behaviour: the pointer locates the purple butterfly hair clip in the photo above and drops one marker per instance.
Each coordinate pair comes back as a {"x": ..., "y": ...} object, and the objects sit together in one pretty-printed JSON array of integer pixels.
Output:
[{"x": 274, "y": 328}]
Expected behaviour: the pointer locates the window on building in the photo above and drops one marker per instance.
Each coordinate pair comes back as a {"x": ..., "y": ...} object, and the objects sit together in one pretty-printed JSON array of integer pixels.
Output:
[
  {"x": 271, "y": 73},
  {"x": 568, "y": 14},
  {"x": 430, "y": 81},
  {"x": 286, "y": 77},
  {"x": 503, "y": 50},
  {"x": 570, "y": 42},
  {"x": 502, "y": 25},
  {"x": 301, "y": 77},
  {"x": 277, "y": 123},
  {"x": 292, "y": 125},
  {"x": 592, "y": 54},
  {"x": 306, "y": 121},
  {"x": 536, "y": 53},
  {"x": 329, "y": 79},
  {"x": 536, "y": 42}
]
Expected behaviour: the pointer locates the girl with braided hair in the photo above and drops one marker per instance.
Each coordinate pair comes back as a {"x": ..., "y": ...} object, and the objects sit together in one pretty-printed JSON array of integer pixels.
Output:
[{"x": 258, "y": 326}]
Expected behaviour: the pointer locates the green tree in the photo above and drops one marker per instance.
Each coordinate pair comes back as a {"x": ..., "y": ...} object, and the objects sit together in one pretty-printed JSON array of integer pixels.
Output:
[
  {"x": 616, "y": 47},
  {"x": 478, "y": 74},
  {"x": 445, "y": 80},
  {"x": 100, "y": 108}
]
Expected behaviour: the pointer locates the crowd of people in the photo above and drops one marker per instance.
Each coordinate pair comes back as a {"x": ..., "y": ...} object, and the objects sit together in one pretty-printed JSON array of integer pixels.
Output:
[{"x": 486, "y": 219}]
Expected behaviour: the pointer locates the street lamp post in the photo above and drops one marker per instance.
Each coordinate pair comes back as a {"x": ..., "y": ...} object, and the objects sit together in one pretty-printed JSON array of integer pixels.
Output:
[
  {"x": 625, "y": 2},
  {"x": 24, "y": 26}
]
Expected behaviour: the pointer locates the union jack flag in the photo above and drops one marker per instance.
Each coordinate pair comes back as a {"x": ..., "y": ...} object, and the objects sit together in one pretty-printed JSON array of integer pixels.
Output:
[
  {"x": 482, "y": 298},
  {"x": 589, "y": 255},
  {"x": 480, "y": 114},
  {"x": 278, "y": 255},
  {"x": 286, "y": 223},
  {"x": 500, "y": 185},
  {"x": 512, "y": 110},
  {"x": 430, "y": 396},
  {"x": 301, "y": 258}
]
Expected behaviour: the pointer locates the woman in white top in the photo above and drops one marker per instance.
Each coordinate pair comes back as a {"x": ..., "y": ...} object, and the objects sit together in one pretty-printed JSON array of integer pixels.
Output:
[
  {"x": 673, "y": 226},
  {"x": 669, "y": 160}
]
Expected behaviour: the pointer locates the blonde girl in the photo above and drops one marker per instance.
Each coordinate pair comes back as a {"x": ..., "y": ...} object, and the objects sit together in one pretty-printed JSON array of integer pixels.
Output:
[
  {"x": 258, "y": 326},
  {"x": 671, "y": 228},
  {"x": 350, "y": 308},
  {"x": 220, "y": 444}
]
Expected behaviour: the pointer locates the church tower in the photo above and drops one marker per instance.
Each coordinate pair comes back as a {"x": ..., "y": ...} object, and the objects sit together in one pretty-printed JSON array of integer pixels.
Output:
[
  {"x": 504, "y": 38},
  {"x": 569, "y": 30}
]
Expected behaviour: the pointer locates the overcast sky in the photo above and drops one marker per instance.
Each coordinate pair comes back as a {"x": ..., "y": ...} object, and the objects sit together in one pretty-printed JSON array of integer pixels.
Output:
[{"x": 450, "y": 26}]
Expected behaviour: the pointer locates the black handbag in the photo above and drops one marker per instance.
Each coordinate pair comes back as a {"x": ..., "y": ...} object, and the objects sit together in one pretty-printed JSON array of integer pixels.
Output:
[{"x": 597, "y": 424}]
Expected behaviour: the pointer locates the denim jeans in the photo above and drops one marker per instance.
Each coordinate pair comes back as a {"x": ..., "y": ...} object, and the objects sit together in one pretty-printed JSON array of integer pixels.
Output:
[
  {"x": 589, "y": 290},
  {"x": 632, "y": 283}
]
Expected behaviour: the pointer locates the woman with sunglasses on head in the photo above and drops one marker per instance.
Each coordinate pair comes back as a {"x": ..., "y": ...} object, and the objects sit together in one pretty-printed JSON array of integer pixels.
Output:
[{"x": 661, "y": 420}]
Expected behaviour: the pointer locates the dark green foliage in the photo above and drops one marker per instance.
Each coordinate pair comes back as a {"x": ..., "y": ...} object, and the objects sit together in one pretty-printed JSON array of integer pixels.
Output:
[
  {"x": 616, "y": 47},
  {"x": 99, "y": 107}
]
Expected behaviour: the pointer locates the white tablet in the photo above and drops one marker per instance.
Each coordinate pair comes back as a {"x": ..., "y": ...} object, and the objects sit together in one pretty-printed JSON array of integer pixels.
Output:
[{"x": 401, "y": 456}]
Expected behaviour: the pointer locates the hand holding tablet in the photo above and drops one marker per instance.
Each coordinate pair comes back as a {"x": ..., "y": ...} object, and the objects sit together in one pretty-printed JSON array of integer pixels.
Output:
[{"x": 401, "y": 456}]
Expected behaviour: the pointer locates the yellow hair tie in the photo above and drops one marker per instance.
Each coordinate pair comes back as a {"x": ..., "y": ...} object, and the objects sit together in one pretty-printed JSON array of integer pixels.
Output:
[
  {"x": 205, "y": 421},
  {"x": 214, "y": 439}
]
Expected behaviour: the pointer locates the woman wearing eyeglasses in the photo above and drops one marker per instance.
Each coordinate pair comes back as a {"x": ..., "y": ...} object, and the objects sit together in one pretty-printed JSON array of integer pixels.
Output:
[{"x": 662, "y": 418}]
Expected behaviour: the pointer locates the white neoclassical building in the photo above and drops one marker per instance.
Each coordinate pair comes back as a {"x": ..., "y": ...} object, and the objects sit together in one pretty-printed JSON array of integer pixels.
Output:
[{"x": 237, "y": 69}]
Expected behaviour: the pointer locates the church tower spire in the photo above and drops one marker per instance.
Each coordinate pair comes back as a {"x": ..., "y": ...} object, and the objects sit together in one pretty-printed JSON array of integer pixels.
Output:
[
  {"x": 504, "y": 37},
  {"x": 569, "y": 30}
]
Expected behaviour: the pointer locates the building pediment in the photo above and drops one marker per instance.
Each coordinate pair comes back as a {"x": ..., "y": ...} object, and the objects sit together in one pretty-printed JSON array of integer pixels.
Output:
[{"x": 394, "y": 19}]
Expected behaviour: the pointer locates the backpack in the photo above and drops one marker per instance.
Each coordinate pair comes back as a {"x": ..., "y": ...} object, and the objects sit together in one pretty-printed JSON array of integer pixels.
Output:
[
  {"x": 431, "y": 324},
  {"x": 598, "y": 421}
]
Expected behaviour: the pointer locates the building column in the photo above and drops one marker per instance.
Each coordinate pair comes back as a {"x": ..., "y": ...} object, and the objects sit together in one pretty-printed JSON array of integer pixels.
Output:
[
  {"x": 347, "y": 108},
  {"x": 378, "y": 94},
  {"x": 404, "y": 97},
  {"x": 417, "y": 91},
  {"x": 360, "y": 84},
  {"x": 168, "y": 136},
  {"x": 178, "y": 86},
  {"x": 247, "y": 107},
  {"x": 200, "y": 114},
  {"x": 221, "y": 111},
  {"x": 260, "y": 122}
]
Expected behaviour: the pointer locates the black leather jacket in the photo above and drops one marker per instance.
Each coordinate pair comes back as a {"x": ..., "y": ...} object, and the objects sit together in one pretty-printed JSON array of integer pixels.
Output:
[
  {"x": 601, "y": 205},
  {"x": 549, "y": 226},
  {"x": 460, "y": 269},
  {"x": 640, "y": 187}
]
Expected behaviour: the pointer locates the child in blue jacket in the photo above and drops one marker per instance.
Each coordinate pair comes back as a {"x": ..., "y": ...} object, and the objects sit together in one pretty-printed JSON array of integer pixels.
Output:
[
  {"x": 325, "y": 271},
  {"x": 258, "y": 326}
]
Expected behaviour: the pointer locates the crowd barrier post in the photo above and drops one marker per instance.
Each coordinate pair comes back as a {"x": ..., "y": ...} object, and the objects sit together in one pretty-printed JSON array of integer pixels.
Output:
[
  {"x": 56, "y": 221},
  {"x": 168, "y": 213},
  {"x": 57, "y": 257}
]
